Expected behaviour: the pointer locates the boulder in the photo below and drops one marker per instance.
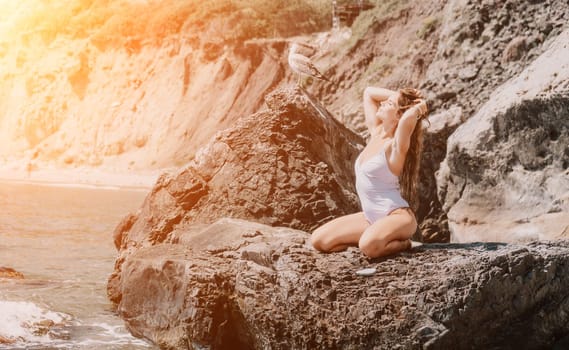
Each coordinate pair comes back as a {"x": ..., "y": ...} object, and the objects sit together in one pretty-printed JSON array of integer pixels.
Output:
[
  {"x": 505, "y": 175},
  {"x": 236, "y": 284},
  {"x": 290, "y": 165},
  {"x": 8, "y": 272},
  {"x": 433, "y": 225}
]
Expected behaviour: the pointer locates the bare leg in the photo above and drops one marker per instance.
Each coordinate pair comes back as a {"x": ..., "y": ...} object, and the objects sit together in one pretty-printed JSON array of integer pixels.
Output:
[
  {"x": 340, "y": 233},
  {"x": 389, "y": 235}
]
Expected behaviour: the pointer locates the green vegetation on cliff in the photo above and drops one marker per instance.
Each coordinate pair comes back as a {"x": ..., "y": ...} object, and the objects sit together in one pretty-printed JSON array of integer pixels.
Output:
[{"x": 119, "y": 22}]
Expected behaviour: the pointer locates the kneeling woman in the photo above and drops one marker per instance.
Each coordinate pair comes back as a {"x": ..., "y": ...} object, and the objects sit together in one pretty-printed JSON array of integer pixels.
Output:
[{"x": 386, "y": 172}]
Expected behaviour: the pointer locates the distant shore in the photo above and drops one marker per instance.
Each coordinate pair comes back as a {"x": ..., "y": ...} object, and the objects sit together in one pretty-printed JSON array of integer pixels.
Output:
[{"x": 83, "y": 177}]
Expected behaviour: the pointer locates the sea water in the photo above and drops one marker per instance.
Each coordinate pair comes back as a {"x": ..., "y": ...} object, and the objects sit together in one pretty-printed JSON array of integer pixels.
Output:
[{"x": 61, "y": 239}]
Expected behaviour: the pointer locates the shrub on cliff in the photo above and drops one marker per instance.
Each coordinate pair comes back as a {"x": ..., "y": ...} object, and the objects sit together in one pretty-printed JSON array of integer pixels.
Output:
[{"x": 114, "y": 22}]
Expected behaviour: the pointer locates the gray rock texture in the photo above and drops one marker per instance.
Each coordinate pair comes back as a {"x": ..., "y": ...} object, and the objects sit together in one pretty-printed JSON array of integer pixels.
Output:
[
  {"x": 480, "y": 45},
  {"x": 469, "y": 48},
  {"x": 432, "y": 218},
  {"x": 505, "y": 176},
  {"x": 242, "y": 285},
  {"x": 291, "y": 165}
]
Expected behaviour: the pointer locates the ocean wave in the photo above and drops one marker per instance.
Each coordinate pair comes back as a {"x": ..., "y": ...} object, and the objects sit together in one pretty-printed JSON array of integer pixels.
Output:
[
  {"x": 24, "y": 322},
  {"x": 25, "y": 325}
]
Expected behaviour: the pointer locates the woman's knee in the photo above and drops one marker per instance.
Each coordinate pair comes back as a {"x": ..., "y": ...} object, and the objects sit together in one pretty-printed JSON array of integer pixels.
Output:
[
  {"x": 374, "y": 248},
  {"x": 370, "y": 246},
  {"x": 321, "y": 240}
]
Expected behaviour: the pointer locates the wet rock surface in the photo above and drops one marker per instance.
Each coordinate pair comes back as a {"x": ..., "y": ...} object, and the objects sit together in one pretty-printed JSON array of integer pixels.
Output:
[{"x": 241, "y": 285}]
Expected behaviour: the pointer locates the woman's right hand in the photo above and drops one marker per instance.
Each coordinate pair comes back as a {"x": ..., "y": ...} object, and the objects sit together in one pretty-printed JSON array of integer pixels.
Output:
[
  {"x": 420, "y": 108},
  {"x": 371, "y": 100}
]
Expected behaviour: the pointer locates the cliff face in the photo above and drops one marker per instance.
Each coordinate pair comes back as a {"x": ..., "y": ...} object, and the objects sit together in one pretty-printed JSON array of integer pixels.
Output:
[
  {"x": 505, "y": 175},
  {"x": 77, "y": 103},
  {"x": 131, "y": 86}
]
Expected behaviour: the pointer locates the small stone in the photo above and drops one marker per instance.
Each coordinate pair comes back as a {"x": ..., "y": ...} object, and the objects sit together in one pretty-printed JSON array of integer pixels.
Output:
[
  {"x": 468, "y": 73},
  {"x": 426, "y": 332},
  {"x": 8, "y": 272},
  {"x": 446, "y": 95},
  {"x": 366, "y": 272},
  {"x": 515, "y": 49}
]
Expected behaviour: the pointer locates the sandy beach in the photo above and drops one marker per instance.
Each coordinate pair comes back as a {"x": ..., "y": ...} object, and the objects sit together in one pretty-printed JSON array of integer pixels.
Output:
[{"x": 82, "y": 177}]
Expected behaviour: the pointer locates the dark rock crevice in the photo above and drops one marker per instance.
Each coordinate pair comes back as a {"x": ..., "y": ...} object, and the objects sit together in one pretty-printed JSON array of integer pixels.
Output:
[
  {"x": 537, "y": 132},
  {"x": 229, "y": 331}
]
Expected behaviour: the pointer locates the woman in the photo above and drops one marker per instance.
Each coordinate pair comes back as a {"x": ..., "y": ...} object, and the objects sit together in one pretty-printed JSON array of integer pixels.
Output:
[{"x": 386, "y": 173}]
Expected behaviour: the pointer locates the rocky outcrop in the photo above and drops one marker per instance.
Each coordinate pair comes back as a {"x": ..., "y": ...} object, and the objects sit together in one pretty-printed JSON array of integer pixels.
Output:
[
  {"x": 505, "y": 176},
  {"x": 8, "y": 272},
  {"x": 433, "y": 223},
  {"x": 242, "y": 285},
  {"x": 457, "y": 52},
  {"x": 185, "y": 279},
  {"x": 290, "y": 165},
  {"x": 482, "y": 44}
]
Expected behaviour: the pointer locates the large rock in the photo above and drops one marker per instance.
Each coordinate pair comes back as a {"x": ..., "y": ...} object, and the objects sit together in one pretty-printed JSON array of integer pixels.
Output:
[
  {"x": 243, "y": 285},
  {"x": 505, "y": 176},
  {"x": 433, "y": 223},
  {"x": 479, "y": 45},
  {"x": 291, "y": 165}
]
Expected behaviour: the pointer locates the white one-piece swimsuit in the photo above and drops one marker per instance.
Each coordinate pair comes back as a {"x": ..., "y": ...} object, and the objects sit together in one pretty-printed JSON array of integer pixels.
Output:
[{"x": 377, "y": 187}]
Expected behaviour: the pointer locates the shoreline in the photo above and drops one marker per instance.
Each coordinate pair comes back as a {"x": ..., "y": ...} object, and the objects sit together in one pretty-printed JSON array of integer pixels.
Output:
[{"x": 82, "y": 178}]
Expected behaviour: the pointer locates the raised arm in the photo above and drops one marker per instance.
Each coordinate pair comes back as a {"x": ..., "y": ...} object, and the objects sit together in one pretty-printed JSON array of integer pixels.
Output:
[
  {"x": 372, "y": 97},
  {"x": 402, "y": 137}
]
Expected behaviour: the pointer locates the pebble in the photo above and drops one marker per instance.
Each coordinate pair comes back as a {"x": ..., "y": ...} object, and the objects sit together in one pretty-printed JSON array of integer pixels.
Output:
[{"x": 366, "y": 272}]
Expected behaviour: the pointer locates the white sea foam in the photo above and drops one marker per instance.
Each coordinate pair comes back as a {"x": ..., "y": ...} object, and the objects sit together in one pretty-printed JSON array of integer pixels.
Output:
[
  {"x": 26, "y": 322},
  {"x": 117, "y": 333},
  {"x": 26, "y": 325}
]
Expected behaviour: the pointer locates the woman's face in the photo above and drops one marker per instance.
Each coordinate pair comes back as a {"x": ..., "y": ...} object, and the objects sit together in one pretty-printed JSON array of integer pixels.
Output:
[{"x": 388, "y": 109}]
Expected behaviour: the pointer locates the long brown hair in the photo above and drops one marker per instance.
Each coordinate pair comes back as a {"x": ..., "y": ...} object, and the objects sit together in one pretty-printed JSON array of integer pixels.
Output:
[{"x": 409, "y": 178}]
